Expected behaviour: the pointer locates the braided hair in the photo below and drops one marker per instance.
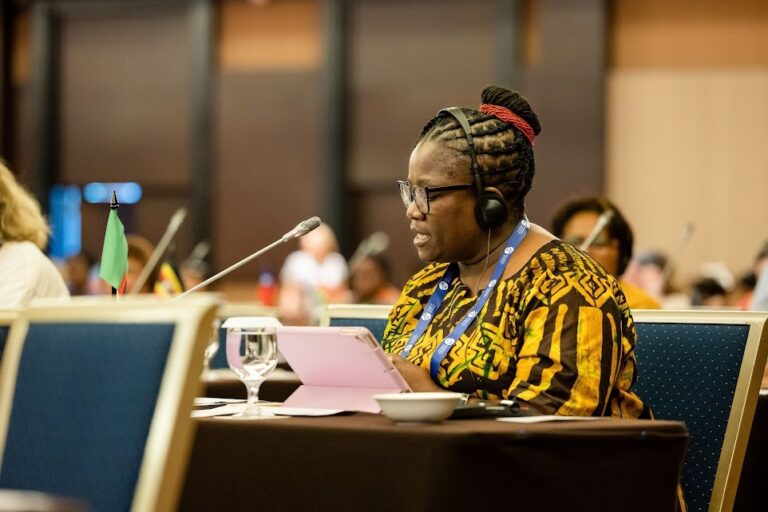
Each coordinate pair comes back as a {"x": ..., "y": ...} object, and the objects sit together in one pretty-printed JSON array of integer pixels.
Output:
[{"x": 504, "y": 155}]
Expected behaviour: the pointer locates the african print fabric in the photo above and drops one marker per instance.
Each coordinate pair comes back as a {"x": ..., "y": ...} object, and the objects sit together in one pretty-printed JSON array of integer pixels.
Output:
[{"x": 558, "y": 334}]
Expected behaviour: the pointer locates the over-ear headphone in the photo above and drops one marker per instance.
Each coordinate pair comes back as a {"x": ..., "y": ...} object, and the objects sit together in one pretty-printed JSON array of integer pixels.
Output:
[{"x": 491, "y": 210}]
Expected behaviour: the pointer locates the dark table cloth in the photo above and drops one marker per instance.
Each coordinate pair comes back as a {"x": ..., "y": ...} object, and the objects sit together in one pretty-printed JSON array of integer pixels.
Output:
[{"x": 365, "y": 462}]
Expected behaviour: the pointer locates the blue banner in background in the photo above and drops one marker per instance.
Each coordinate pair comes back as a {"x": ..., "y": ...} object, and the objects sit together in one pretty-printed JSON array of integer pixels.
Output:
[{"x": 65, "y": 221}]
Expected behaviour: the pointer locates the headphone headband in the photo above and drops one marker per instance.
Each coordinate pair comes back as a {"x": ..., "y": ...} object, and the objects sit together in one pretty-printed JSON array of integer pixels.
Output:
[
  {"x": 461, "y": 118},
  {"x": 491, "y": 210}
]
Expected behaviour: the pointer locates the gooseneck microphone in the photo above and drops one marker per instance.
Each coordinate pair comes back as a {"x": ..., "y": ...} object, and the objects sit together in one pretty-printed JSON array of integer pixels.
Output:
[
  {"x": 685, "y": 238},
  {"x": 301, "y": 229},
  {"x": 602, "y": 221},
  {"x": 162, "y": 245}
]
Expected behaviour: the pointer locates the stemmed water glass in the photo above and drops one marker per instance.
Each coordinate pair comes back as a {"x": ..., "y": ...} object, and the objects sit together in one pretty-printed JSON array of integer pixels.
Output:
[{"x": 252, "y": 355}]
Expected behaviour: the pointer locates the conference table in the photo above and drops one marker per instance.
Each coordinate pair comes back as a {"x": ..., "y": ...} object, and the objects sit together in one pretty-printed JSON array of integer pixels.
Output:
[{"x": 364, "y": 461}]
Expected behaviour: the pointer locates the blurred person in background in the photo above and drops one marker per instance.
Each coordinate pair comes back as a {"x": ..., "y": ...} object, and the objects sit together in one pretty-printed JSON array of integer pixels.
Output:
[
  {"x": 707, "y": 292},
  {"x": 312, "y": 277},
  {"x": 193, "y": 272},
  {"x": 612, "y": 247},
  {"x": 743, "y": 290},
  {"x": 713, "y": 287},
  {"x": 370, "y": 281},
  {"x": 25, "y": 272},
  {"x": 139, "y": 251},
  {"x": 78, "y": 272},
  {"x": 499, "y": 311},
  {"x": 194, "y": 269},
  {"x": 648, "y": 270}
]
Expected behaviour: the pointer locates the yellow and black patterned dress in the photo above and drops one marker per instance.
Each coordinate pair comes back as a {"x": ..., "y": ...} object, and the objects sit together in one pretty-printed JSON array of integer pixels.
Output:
[{"x": 557, "y": 334}]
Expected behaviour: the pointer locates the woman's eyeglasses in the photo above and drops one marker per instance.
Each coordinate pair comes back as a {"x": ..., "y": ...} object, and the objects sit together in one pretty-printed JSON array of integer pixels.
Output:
[{"x": 420, "y": 195}]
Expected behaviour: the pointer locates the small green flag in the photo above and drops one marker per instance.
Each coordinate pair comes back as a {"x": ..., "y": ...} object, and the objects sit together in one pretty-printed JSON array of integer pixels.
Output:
[{"x": 114, "y": 254}]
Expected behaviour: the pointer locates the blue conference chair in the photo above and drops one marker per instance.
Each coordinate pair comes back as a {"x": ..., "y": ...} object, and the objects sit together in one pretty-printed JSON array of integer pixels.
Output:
[
  {"x": 95, "y": 400},
  {"x": 704, "y": 368},
  {"x": 7, "y": 316},
  {"x": 374, "y": 318}
]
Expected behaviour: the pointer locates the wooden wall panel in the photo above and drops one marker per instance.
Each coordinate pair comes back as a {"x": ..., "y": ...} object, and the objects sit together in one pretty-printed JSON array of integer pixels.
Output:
[
  {"x": 689, "y": 33},
  {"x": 690, "y": 146},
  {"x": 281, "y": 35}
]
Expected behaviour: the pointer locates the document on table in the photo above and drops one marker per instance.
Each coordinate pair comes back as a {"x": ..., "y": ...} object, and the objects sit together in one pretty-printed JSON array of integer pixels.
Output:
[
  {"x": 204, "y": 401},
  {"x": 270, "y": 407},
  {"x": 542, "y": 419}
]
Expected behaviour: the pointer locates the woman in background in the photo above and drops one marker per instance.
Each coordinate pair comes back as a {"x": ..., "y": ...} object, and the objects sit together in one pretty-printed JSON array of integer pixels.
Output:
[
  {"x": 312, "y": 277},
  {"x": 370, "y": 281},
  {"x": 612, "y": 247},
  {"x": 25, "y": 272}
]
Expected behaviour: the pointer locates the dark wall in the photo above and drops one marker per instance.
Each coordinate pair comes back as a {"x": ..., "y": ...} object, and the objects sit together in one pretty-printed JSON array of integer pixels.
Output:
[
  {"x": 125, "y": 115},
  {"x": 408, "y": 60},
  {"x": 564, "y": 81},
  {"x": 125, "y": 112},
  {"x": 268, "y": 163}
]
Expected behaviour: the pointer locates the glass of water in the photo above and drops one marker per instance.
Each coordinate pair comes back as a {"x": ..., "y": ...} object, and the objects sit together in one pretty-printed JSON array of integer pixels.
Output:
[{"x": 252, "y": 355}]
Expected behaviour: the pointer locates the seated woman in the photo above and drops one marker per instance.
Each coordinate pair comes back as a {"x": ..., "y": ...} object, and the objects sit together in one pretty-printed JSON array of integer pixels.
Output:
[
  {"x": 612, "y": 247},
  {"x": 503, "y": 309},
  {"x": 25, "y": 272}
]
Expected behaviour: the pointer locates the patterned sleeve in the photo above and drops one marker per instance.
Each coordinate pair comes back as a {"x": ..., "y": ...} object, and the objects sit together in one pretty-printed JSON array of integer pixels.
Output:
[{"x": 571, "y": 349}]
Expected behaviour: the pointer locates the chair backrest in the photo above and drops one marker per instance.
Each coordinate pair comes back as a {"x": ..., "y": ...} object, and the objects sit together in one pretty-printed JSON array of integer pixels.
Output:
[
  {"x": 95, "y": 400},
  {"x": 228, "y": 310},
  {"x": 704, "y": 368},
  {"x": 374, "y": 318},
  {"x": 7, "y": 316}
]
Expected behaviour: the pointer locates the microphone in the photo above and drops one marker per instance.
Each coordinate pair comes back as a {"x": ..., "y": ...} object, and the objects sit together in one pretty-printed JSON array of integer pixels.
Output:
[
  {"x": 301, "y": 229},
  {"x": 173, "y": 226},
  {"x": 602, "y": 221}
]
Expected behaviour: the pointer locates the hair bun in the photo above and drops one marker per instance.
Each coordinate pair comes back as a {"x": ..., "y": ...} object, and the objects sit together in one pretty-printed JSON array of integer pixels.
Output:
[{"x": 503, "y": 97}]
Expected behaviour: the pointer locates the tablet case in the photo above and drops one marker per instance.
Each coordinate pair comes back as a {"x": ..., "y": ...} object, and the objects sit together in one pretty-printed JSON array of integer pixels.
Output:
[{"x": 339, "y": 367}]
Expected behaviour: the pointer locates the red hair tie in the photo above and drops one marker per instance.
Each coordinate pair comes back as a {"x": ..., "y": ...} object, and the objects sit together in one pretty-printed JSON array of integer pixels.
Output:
[{"x": 506, "y": 115}]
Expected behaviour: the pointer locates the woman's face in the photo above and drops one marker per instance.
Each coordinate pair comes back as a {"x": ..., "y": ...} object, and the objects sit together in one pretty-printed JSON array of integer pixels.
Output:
[
  {"x": 604, "y": 248},
  {"x": 449, "y": 231}
]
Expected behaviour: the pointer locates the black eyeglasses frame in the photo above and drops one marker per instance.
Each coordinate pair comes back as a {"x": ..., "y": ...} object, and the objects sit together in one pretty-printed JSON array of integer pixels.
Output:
[{"x": 411, "y": 197}]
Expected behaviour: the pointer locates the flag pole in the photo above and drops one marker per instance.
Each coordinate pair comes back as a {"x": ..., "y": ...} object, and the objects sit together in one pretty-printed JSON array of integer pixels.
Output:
[{"x": 114, "y": 205}]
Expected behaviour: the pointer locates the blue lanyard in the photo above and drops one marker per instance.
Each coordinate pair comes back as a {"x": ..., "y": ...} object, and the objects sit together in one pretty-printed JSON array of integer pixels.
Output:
[{"x": 438, "y": 296}]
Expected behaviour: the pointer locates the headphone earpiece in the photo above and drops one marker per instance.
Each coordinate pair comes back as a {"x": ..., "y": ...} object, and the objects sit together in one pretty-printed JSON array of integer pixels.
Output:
[{"x": 491, "y": 210}]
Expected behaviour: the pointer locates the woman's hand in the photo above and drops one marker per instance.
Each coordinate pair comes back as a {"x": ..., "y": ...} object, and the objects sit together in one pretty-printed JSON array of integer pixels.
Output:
[{"x": 417, "y": 377}]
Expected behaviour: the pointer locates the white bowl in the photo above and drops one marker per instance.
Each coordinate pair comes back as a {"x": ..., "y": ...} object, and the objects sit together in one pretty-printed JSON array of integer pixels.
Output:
[{"x": 418, "y": 407}]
